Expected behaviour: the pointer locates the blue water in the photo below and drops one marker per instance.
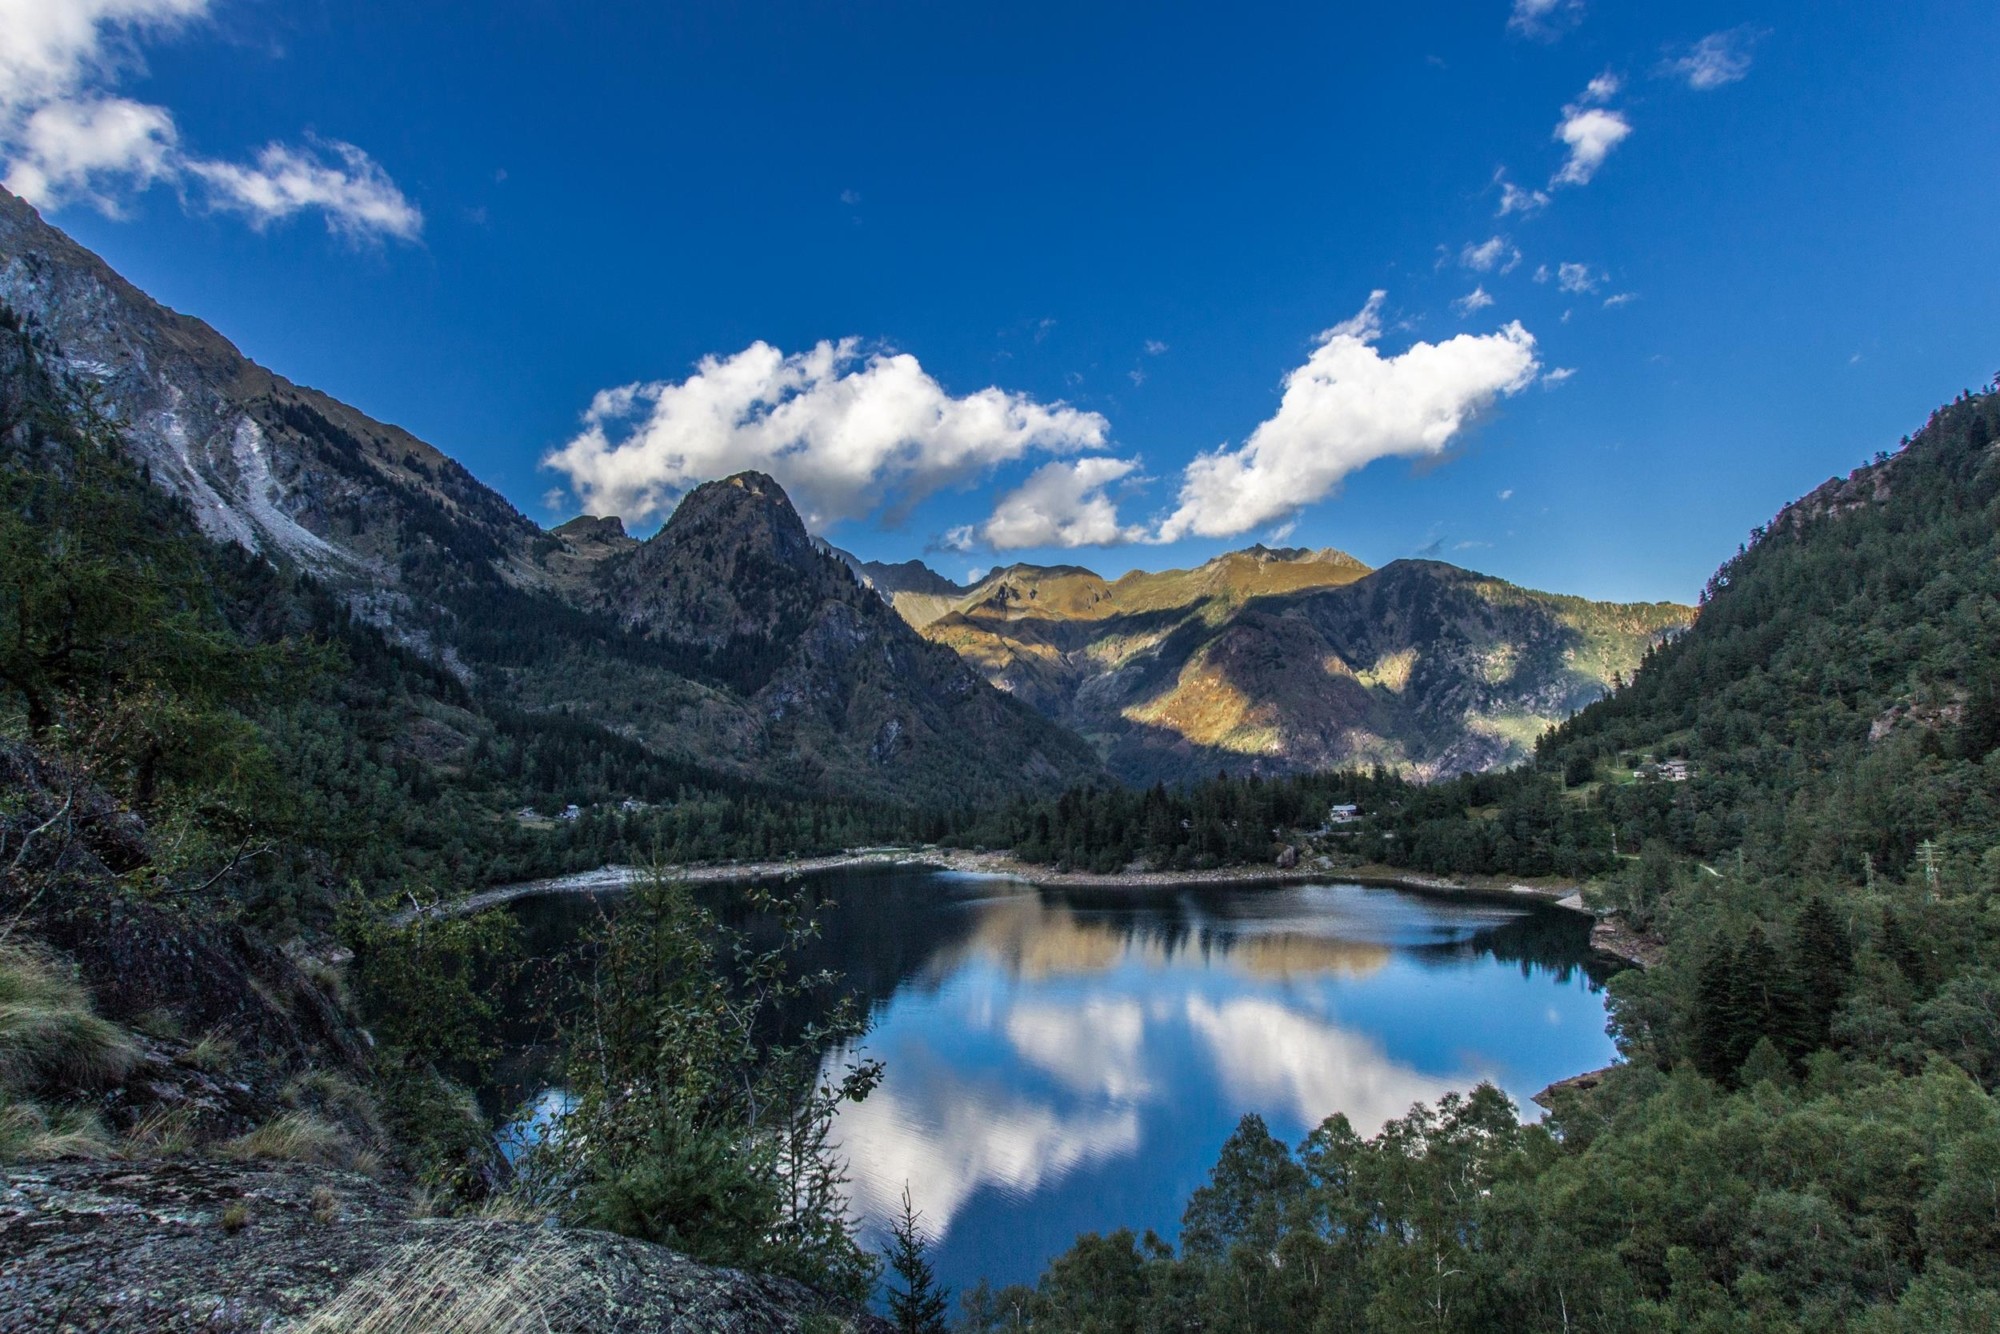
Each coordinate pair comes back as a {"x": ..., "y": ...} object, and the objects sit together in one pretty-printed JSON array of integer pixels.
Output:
[{"x": 1066, "y": 1062}]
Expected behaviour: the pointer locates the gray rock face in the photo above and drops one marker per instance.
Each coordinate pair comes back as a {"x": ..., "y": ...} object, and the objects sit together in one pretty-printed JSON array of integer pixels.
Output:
[
  {"x": 272, "y": 466},
  {"x": 225, "y": 1247}
]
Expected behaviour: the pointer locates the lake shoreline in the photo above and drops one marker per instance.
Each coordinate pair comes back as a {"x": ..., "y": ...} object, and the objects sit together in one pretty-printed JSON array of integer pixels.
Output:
[{"x": 959, "y": 861}]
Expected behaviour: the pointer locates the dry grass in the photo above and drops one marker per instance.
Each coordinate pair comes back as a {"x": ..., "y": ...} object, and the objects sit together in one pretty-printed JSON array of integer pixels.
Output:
[
  {"x": 49, "y": 1036},
  {"x": 338, "y": 1096},
  {"x": 31, "y": 1133},
  {"x": 295, "y": 1137},
  {"x": 506, "y": 1209},
  {"x": 214, "y": 1052},
  {"x": 502, "y": 1280},
  {"x": 164, "y": 1132}
]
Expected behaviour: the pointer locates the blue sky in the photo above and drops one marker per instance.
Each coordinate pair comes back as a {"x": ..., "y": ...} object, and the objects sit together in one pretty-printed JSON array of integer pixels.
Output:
[{"x": 1107, "y": 270}]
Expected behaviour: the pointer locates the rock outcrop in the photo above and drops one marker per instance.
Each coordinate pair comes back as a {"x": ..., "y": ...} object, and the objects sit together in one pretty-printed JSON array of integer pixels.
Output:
[{"x": 227, "y": 1248}]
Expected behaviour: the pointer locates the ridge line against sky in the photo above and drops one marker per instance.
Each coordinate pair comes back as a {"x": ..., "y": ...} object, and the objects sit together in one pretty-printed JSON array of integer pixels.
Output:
[{"x": 1535, "y": 141}]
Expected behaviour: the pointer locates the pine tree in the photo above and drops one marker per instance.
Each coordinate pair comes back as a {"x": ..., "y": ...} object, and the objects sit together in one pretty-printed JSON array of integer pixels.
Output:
[
  {"x": 1718, "y": 1039},
  {"x": 920, "y": 1306},
  {"x": 1824, "y": 959},
  {"x": 1775, "y": 1006}
]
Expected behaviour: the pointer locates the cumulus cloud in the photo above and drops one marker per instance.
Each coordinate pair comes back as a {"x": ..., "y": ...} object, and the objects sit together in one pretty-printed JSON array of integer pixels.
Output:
[
  {"x": 1476, "y": 300},
  {"x": 1590, "y": 130},
  {"x": 1591, "y": 133},
  {"x": 1488, "y": 256},
  {"x": 847, "y": 434},
  {"x": 1544, "y": 18},
  {"x": 1062, "y": 505},
  {"x": 66, "y": 137},
  {"x": 1717, "y": 59},
  {"x": 71, "y": 150},
  {"x": 1346, "y": 407}
]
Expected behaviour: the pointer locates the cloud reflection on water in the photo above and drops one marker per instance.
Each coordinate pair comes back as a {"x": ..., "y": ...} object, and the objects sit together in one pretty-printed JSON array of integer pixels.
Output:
[
  {"x": 1050, "y": 1041},
  {"x": 1268, "y": 1055},
  {"x": 954, "y": 1133}
]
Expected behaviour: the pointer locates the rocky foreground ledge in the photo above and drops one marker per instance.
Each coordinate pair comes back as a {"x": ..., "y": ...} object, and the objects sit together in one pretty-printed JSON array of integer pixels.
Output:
[{"x": 228, "y": 1247}]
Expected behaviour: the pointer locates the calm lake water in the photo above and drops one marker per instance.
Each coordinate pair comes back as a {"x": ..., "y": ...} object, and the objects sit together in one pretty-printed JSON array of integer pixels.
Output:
[{"x": 1062, "y": 1061}]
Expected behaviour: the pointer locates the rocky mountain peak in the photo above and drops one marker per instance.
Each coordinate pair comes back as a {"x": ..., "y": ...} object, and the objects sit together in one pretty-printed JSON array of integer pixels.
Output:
[
  {"x": 748, "y": 514},
  {"x": 589, "y": 528}
]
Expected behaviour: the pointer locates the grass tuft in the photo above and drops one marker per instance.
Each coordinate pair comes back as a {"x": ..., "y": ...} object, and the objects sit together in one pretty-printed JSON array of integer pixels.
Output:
[
  {"x": 295, "y": 1137},
  {"x": 49, "y": 1036},
  {"x": 164, "y": 1132},
  {"x": 32, "y": 1133},
  {"x": 214, "y": 1052}
]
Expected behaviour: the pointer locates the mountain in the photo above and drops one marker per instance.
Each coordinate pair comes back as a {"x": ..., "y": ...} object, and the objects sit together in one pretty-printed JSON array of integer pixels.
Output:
[
  {"x": 262, "y": 462},
  {"x": 1287, "y": 660},
  {"x": 734, "y": 593},
  {"x": 917, "y": 592},
  {"x": 577, "y": 623}
]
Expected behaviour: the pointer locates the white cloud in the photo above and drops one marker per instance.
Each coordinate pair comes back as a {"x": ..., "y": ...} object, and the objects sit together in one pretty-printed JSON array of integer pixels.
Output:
[
  {"x": 1590, "y": 130},
  {"x": 67, "y": 150},
  {"x": 1136, "y": 376},
  {"x": 54, "y": 50},
  {"x": 1577, "y": 278},
  {"x": 357, "y": 196},
  {"x": 1154, "y": 347},
  {"x": 1544, "y": 18},
  {"x": 850, "y": 197},
  {"x": 1476, "y": 300},
  {"x": 1508, "y": 494},
  {"x": 1495, "y": 253},
  {"x": 1542, "y": 274},
  {"x": 1591, "y": 133},
  {"x": 1062, "y": 505},
  {"x": 65, "y": 136},
  {"x": 846, "y": 434},
  {"x": 1551, "y": 380},
  {"x": 1346, "y": 407},
  {"x": 1618, "y": 299},
  {"x": 1513, "y": 199},
  {"x": 61, "y": 133},
  {"x": 1717, "y": 59}
]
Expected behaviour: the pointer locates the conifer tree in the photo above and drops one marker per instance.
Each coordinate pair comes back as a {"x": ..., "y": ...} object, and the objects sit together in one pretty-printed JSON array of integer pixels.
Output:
[
  {"x": 1825, "y": 965},
  {"x": 919, "y": 1307}
]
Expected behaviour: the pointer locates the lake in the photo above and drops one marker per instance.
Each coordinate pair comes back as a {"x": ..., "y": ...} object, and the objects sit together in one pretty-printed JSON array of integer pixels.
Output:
[{"x": 1069, "y": 1061}]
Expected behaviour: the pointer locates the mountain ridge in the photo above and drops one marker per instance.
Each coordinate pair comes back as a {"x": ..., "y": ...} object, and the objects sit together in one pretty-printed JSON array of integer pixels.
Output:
[
  {"x": 413, "y": 544},
  {"x": 1258, "y": 658}
]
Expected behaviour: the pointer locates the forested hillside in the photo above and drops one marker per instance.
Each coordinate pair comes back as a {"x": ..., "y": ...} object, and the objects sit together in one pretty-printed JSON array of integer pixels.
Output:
[{"x": 1804, "y": 1133}]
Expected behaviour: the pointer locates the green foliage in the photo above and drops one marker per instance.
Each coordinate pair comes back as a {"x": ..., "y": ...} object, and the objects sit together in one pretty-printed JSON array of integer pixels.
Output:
[
  {"x": 424, "y": 986},
  {"x": 426, "y": 983},
  {"x": 695, "y": 1123}
]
